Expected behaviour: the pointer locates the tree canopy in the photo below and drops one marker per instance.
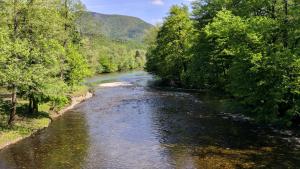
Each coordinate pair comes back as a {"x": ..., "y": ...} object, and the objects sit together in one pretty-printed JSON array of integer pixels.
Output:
[
  {"x": 45, "y": 54},
  {"x": 172, "y": 45},
  {"x": 248, "y": 49},
  {"x": 34, "y": 52}
]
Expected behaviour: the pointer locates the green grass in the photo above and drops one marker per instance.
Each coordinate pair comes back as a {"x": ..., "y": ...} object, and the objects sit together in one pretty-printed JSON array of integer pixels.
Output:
[
  {"x": 21, "y": 128},
  {"x": 25, "y": 125}
]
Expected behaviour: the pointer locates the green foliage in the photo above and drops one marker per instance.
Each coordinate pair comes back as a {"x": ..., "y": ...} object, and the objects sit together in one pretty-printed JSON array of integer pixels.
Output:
[
  {"x": 77, "y": 68},
  {"x": 248, "y": 49},
  {"x": 150, "y": 41},
  {"x": 109, "y": 56},
  {"x": 40, "y": 58},
  {"x": 111, "y": 41},
  {"x": 48, "y": 47},
  {"x": 169, "y": 57},
  {"x": 54, "y": 92}
]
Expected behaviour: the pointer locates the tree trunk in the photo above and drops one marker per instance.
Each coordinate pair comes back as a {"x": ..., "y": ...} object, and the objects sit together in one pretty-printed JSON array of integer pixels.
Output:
[
  {"x": 30, "y": 105},
  {"x": 285, "y": 33},
  {"x": 33, "y": 106},
  {"x": 14, "y": 106},
  {"x": 66, "y": 25},
  {"x": 65, "y": 41}
]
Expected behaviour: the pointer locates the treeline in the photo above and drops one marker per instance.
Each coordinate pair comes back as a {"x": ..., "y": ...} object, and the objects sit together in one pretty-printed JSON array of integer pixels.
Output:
[
  {"x": 107, "y": 55},
  {"x": 248, "y": 49},
  {"x": 40, "y": 60}
]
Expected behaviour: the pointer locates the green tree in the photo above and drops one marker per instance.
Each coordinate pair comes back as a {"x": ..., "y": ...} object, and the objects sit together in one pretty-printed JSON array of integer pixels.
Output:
[
  {"x": 150, "y": 41},
  {"x": 252, "y": 56},
  {"x": 77, "y": 64},
  {"x": 170, "y": 57},
  {"x": 72, "y": 61},
  {"x": 40, "y": 30},
  {"x": 13, "y": 67},
  {"x": 247, "y": 49},
  {"x": 38, "y": 41}
]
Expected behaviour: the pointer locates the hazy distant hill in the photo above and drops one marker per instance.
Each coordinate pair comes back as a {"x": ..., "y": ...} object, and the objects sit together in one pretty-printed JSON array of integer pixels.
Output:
[{"x": 113, "y": 26}]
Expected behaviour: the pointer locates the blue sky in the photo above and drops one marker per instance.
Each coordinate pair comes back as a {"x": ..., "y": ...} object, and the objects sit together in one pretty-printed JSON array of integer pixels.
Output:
[{"x": 151, "y": 11}]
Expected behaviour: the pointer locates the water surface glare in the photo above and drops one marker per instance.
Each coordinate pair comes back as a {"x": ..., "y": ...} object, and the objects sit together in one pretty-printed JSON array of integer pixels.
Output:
[{"x": 129, "y": 125}]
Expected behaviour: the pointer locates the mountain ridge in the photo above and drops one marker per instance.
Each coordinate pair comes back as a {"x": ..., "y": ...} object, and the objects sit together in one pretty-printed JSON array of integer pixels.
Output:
[{"x": 113, "y": 26}]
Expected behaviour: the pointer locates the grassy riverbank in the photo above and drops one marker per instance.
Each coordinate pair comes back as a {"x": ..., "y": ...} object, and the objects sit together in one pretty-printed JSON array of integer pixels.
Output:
[{"x": 26, "y": 125}]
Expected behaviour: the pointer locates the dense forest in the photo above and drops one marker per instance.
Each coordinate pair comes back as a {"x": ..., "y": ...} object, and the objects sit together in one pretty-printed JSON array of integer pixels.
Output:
[
  {"x": 247, "y": 49},
  {"x": 45, "y": 55},
  {"x": 109, "y": 55}
]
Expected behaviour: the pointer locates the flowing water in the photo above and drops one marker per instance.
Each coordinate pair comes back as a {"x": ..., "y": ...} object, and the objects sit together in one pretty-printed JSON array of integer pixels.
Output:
[{"x": 129, "y": 125}]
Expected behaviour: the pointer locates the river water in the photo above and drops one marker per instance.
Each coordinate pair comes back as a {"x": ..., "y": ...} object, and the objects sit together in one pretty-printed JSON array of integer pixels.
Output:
[{"x": 134, "y": 126}]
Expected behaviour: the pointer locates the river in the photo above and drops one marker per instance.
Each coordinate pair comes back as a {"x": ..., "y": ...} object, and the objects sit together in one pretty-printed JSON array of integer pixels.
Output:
[{"x": 135, "y": 126}]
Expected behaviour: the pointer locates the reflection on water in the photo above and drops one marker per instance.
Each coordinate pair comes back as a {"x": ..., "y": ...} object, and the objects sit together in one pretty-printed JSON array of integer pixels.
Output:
[
  {"x": 198, "y": 137},
  {"x": 135, "y": 127},
  {"x": 63, "y": 145}
]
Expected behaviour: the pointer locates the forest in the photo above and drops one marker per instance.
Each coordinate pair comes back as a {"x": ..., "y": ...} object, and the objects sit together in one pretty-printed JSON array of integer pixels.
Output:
[
  {"x": 249, "y": 50},
  {"x": 45, "y": 57},
  {"x": 111, "y": 55},
  {"x": 214, "y": 85}
]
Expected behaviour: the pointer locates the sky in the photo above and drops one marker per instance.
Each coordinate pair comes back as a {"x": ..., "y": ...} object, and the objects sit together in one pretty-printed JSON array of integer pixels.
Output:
[{"x": 152, "y": 11}]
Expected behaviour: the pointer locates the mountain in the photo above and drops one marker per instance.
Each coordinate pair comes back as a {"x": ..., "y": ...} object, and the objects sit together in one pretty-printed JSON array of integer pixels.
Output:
[{"x": 117, "y": 27}]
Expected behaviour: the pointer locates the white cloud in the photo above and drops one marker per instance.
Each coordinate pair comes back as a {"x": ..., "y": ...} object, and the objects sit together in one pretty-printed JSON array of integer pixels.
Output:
[{"x": 157, "y": 2}]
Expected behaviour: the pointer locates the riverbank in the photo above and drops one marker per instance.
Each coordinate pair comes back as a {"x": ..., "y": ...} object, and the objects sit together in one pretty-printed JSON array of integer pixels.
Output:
[
  {"x": 168, "y": 128},
  {"x": 25, "y": 127}
]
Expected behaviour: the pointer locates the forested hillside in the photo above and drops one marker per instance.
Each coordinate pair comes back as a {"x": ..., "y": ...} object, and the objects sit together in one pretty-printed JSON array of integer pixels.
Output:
[
  {"x": 113, "y": 42},
  {"x": 247, "y": 49},
  {"x": 116, "y": 27},
  {"x": 106, "y": 55}
]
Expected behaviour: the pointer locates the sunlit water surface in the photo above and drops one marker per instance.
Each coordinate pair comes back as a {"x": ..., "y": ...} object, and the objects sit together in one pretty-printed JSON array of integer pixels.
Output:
[{"x": 134, "y": 126}]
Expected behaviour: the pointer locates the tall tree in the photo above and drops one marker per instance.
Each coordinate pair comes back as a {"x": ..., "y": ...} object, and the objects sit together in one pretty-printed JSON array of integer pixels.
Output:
[
  {"x": 73, "y": 64},
  {"x": 250, "y": 45},
  {"x": 36, "y": 41},
  {"x": 41, "y": 29},
  {"x": 173, "y": 43},
  {"x": 248, "y": 49},
  {"x": 14, "y": 66}
]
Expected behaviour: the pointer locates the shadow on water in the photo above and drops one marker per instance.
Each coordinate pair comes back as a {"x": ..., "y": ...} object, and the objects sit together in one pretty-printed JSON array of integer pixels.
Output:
[
  {"x": 196, "y": 135},
  {"x": 63, "y": 145}
]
